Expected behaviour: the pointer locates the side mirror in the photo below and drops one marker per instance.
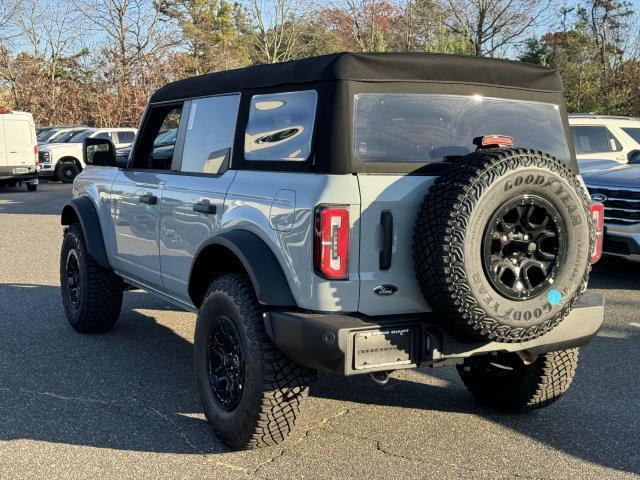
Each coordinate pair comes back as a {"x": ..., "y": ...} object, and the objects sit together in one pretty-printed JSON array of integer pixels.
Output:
[
  {"x": 99, "y": 152},
  {"x": 633, "y": 157}
]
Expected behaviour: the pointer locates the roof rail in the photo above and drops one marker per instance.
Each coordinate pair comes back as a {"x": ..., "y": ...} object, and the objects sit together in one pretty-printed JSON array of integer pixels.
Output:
[{"x": 595, "y": 116}]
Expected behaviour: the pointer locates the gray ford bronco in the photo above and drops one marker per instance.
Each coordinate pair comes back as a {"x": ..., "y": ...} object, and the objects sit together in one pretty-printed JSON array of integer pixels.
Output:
[{"x": 351, "y": 213}]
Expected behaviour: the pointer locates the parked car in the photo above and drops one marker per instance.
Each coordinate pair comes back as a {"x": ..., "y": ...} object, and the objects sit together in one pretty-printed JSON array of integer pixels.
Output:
[
  {"x": 618, "y": 188},
  {"x": 60, "y": 135},
  {"x": 350, "y": 213},
  {"x": 43, "y": 133},
  {"x": 602, "y": 137},
  {"x": 593, "y": 164},
  {"x": 18, "y": 150},
  {"x": 162, "y": 146},
  {"x": 63, "y": 161}
]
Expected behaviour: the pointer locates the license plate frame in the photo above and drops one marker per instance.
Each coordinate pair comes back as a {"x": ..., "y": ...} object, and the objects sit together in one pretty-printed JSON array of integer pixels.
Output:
[
  {"x": 388, "y": 347},
  {"x": 20, "y": 170}
]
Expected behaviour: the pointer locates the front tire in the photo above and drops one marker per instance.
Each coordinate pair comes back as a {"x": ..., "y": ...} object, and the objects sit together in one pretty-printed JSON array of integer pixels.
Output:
[
  {"x": 251, "y": 393},
  {"x": 505, "y": 383},
  {"x": 91, "y": 295}
]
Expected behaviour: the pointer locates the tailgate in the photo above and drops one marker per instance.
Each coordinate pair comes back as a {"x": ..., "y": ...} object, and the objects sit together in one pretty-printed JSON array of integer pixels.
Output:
[{"x": 400, "y": 196}]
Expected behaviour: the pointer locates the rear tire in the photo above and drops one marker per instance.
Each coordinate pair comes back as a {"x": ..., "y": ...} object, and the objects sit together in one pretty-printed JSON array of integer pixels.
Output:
[
  {"x": 91, "y": 295},
  {"x": 251, "y": 393},
  {"x": 31, "y": 187},
  {"x": 505, "y": 383},
  {"x": 66, "y": 172}
]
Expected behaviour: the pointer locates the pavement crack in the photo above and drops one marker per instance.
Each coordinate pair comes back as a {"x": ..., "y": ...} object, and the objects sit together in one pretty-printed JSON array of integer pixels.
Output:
[
  {"x": 321, "y": 423},
  {"x": 181, "y": 432},
  {"x": 261, "y": 465}
]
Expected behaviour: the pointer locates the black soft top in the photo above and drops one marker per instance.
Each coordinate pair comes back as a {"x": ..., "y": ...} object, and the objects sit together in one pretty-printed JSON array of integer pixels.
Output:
[{"x": 369, "y": 67}]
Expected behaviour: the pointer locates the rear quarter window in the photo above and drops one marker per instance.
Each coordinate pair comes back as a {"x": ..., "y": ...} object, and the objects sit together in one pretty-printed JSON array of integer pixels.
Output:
[
  {"x": 633, "y": 133},
  {"x": 280, "y": 126},
  {"x": 428, "y": 128}
]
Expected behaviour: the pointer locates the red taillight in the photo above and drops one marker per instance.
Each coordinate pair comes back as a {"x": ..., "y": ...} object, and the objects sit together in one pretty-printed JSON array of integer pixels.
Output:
[
  {"x": 35, "y": 154},
  {"x": 596, "y": 210},
  {"x": 331, "y": 246}
]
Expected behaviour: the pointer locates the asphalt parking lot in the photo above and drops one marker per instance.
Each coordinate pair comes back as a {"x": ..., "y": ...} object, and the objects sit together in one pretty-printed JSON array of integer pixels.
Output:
[{"x": 123, "y": 405}]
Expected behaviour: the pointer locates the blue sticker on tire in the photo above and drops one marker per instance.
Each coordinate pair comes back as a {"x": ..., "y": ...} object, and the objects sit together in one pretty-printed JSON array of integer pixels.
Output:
[{"x": 554, "y": 297}]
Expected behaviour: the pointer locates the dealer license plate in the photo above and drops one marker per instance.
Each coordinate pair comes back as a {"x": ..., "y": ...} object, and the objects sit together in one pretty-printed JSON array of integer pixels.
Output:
[{"x": 383, "y": 348}]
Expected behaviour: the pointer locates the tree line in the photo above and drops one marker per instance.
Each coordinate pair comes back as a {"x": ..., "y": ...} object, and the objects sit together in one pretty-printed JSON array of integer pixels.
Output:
[{"x": 96, "y": 62}]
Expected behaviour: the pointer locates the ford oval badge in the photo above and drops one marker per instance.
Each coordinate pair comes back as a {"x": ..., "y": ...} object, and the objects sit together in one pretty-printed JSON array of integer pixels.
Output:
[
  {"x": 385, "y": 290},
  {"x": 599, "y": 197}
]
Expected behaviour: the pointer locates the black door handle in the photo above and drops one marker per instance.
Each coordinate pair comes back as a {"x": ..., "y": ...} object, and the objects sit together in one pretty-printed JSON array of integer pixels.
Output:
[
  {"x": 204, "y": 207},
  {"x": 149, "y": 198},
  {"x": 386, "y": 221}
]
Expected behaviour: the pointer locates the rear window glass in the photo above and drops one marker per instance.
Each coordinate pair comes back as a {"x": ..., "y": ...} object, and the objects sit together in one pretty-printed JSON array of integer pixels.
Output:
[
  {"x": 280, "y": 126},
  {"x": 633, "y": 133},
  {"x": 424, "y": 128}
]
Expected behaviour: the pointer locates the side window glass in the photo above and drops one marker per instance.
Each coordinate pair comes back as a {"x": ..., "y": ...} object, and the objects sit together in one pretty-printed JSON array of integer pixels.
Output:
[
  {"x": 126, "y": 137},
  {"x": 154, "y": 150},
  {"x": 280, "y": 126},
  {"x": 590, "y": 139},
  {"x": 211, "y": 129},
  {"x": 104, "y": 135}
]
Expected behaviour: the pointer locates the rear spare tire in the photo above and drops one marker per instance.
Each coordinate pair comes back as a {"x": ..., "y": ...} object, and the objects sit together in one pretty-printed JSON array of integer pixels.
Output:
[{"x": 502, "y": 244}]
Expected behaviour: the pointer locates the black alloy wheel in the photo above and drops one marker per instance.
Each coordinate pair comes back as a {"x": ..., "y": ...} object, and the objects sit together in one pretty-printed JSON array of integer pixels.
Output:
[
  {"x": 68, "y": 172},
  {"x": 73, "y": 279},
  {"x": 523, "y": 248},
  {"x": 226, "y": 364}
]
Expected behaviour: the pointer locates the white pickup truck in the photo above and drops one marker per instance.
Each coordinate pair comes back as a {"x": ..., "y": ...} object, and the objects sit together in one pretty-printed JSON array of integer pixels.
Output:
[{"x": 63, "y": 161}]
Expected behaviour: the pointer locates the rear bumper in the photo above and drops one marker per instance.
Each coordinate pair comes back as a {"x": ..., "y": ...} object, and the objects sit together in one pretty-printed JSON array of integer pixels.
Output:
[
  {"x": 9, "y": 174},
  {"x": 327, "y": 342}
]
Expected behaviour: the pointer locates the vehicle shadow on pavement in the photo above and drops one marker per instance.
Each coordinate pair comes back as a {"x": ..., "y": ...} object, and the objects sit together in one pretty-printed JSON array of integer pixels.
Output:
[
  {"x": 612, "y": 274},
  {"x": 129, "y": 389},
  {"x": 48, "y": 200},
  {"x": 597, "y": 420},
  {"x": 133, "y": 388}
]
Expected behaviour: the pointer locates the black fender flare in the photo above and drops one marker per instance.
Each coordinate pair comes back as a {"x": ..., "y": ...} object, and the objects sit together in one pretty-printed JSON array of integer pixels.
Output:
[
  {"x": 82, "y": 210},
  {"x": 257, "y": 259}
]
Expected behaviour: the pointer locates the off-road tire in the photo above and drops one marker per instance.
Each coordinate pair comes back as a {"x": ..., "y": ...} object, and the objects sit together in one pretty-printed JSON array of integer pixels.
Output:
[
  {"x": 448, "y": 252},
  {"x": 66, "y": 172},
  {"x": 526, "y": 388},
  {"x": 32, "y": 187},
  {"x": 101, "y": 290},
  {"x": 274, "y": 386}
]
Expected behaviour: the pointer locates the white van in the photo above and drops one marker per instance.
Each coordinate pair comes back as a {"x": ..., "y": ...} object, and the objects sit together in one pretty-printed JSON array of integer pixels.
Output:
[{"x": 18, "y": 150}]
